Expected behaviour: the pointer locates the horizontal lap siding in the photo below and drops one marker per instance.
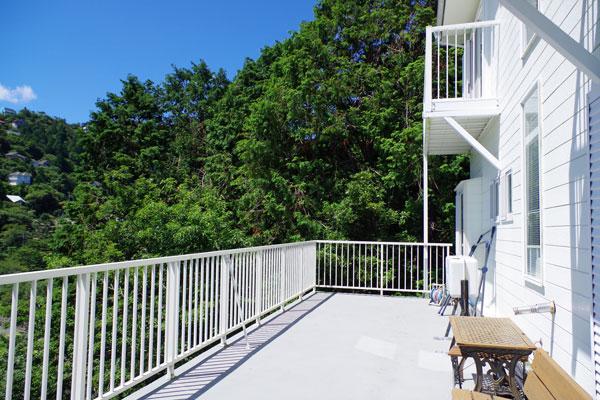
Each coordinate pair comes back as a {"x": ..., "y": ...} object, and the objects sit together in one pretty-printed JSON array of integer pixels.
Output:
[
  {"x": 594, "y": 135},
  {"x": 565, "y": 188}
]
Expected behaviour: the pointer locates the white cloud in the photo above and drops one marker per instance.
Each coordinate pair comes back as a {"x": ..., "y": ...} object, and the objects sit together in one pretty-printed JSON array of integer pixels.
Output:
[{"x": 20, "y": 94}]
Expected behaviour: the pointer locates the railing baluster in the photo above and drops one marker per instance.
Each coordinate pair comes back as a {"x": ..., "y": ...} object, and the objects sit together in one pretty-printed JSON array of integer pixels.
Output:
[
  {"x": 196, "y": 267},
  {"x": 14, "y": 308},
  {"x": 103, "y": 335},
  {"x": 189, "y": 302},
  {"x": 30, "y": 333},
  {"x": 282, "y": 262},
  {"x": 183, "y": 296},
  {"x": 159, "y": 318},
  {"x": 258, "y": 286},
  {"x": 124, "y": 325},
  {"x": 465, "y": 75},
  {"x": 134, "y": 313},
  {"x": 143, "y": 319},
  {"x": 381, "y": 270},
  {"x": 418, "y": 267},
  {"x": 151, "y": 320},
  {"x": 45, "y": 360},
  {"x": 224, "y": 297},
  {"x": 438, "y": 64},
  {"x": 455, "y": 64},
  {"x": 205, "y": 290},
  {"x": 61, "y": 345},
  {"x": 211, "y": 281},
  {"x": 91, "y": 337}
]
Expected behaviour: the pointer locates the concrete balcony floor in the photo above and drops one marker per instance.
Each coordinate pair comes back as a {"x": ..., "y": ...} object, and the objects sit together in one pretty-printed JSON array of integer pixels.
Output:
[{"x": 329, "y": 346}]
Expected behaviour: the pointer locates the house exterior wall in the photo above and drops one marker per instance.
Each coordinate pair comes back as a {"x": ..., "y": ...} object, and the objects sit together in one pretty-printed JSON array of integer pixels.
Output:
[{"x": 565, "y": 209}]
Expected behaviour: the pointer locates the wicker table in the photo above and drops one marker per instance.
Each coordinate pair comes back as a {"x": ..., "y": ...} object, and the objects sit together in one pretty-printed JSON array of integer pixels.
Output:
[{"x": 497, "y": 342}]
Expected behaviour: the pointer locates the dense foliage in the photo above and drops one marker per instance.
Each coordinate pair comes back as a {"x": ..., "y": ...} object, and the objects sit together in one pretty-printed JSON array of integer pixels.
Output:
[
  {"x": 319, "y": 138},
  {"x": 27, "y": 138}
]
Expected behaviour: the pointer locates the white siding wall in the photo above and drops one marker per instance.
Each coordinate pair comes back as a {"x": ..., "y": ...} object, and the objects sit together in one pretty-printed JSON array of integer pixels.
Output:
[{"x": 564, "y": 184}]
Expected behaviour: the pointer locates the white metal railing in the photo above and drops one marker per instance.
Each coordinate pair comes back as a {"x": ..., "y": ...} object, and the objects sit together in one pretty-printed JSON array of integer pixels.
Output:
[
  {"x": 381, "y": 266},
  {"x": 105, "y": 328},
  {"x": 460, "y": 62},
  {"x": 95, "y": 331}
]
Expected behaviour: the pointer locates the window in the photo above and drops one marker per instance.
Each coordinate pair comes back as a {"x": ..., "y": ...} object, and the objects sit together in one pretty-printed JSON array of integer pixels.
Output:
[
  {"x": 529, "y": 35},
  {"x": 531, "y": 141},
  {"x": 508, "y": 193},
  {"x": 494, "y": 200}
]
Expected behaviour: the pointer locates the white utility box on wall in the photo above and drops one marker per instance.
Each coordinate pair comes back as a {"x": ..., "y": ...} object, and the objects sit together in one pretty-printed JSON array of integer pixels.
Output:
[{"x": 459, "y": 268}]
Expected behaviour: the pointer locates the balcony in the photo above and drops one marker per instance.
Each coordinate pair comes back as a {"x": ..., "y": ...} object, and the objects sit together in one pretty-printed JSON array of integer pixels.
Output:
[
  {"x": 264, "y": 322},
  {"x": 461, "y": 69}
]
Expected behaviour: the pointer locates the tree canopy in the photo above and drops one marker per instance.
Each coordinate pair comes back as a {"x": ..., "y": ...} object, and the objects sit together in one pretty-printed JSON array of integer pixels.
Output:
[{"x": 320, "y": 137}]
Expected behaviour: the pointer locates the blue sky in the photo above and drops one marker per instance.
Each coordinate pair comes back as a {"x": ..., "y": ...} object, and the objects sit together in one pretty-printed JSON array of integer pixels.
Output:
[{"x": 60, "y": 56}]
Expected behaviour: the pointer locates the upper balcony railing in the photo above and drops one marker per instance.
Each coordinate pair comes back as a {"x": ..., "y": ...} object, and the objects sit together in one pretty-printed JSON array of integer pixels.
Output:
[
  {"x": 96, "y": 331},
  {"x": 461, "y": 68}
]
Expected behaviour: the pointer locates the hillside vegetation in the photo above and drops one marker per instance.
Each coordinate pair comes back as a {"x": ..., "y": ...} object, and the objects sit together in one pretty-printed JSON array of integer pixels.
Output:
[
  {"x": 319, "y": 138},
  {"x": 25, "y": 229}
]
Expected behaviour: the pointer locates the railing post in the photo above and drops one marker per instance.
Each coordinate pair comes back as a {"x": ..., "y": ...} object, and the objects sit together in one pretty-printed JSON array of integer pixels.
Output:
[
  {"x": 282, "y": 276},
  {"x": 224, "y": 298},
  {"x": 381, "y": 269},
  {"x": 315, "y": 249},
  {"x": 172, "y": 316},
  {"x": 80, "y": 336},
  {"x": 301, "y": 271},
  {"x": 428, "y": 67},
  {"x": 426, "y": 267},
  {"x": 258, "y": 285}
]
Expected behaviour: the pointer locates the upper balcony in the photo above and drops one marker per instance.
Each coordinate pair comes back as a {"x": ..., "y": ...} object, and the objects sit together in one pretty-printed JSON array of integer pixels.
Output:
[{"x": 461, "y": 71}]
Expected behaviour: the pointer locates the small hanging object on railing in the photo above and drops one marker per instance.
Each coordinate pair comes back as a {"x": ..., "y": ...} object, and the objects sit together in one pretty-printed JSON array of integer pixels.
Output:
[{"x": 539, "y": 308}]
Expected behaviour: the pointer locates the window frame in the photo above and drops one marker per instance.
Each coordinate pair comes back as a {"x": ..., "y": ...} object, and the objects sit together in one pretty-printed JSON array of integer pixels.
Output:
[
  {"x": 537, "y": 280},
  {"x": 495, "y": 214},
  {"x": 528, "y": 45},
  {"x": 507, "y": 195}
]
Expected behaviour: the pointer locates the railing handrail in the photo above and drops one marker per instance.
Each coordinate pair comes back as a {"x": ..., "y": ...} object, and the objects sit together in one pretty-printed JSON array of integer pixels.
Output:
[
  {"x": 386, "y": 243},
  {"x": 468, "y": 25},
  {"x": 20, "y": 277}
]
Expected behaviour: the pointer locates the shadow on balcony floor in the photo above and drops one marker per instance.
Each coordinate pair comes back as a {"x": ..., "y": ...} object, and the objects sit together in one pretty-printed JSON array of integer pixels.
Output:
[{"x": 329, "y": 346}]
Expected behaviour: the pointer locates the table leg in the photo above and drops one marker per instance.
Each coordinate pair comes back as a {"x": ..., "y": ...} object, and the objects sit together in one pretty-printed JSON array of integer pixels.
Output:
[
  {"x": 512, "y": 378},
  {"x": 479, "y": 372}
]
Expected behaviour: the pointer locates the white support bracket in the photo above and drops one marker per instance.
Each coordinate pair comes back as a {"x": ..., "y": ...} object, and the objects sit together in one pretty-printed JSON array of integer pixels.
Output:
[
  {"x": 473, "y": 142},
  {"x": 573, "y": 51}
]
